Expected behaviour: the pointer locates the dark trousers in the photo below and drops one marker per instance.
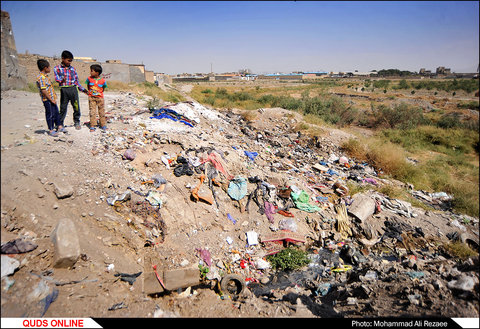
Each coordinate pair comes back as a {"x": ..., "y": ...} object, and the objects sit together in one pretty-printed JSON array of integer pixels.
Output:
[
  {"x": 69, "y": 94},
  {"x": 52, "y": 115}
]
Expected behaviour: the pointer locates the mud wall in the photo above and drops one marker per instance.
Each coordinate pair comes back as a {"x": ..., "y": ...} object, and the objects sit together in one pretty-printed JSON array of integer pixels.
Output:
[{"x": 30, "y": 63}]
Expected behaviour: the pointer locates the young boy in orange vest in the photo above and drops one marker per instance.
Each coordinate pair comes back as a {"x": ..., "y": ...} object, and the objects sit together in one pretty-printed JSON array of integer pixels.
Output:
[{"x": 96, "y": 86}]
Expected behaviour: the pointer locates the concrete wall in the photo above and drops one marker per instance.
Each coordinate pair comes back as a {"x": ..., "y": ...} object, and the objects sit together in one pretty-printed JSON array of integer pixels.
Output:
[
  {"x": 149, "y": 76},
  {"x": 117, "y": 72},
  {"x": 137, "y": 75},
  {"x": 162, "y": 78},
  {"x": 13, "y": 74}
]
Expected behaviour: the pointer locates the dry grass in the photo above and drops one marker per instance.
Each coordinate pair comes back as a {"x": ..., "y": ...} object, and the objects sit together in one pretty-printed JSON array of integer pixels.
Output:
[
  {"x": 249, "y": 115},
  {"x": 146, "y": 88},
  {"x": 460, "y": 250}
]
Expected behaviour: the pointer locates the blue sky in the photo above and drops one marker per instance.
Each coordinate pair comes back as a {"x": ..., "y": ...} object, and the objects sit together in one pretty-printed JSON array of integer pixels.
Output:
[{"x": 272, "y": 36}]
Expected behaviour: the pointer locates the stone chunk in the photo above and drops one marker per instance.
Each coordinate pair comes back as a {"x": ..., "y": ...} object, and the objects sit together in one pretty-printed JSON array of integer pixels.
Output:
[
  {"x": 63, "y": 190},
  {"x": 67, "y": 246}
]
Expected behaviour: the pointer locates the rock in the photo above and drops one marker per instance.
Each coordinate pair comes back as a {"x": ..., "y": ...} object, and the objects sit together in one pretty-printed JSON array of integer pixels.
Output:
[
  {"x": 301, "y": 310},
  {"x": 465, "y": 283},
  {"x": 9, "y": 265},
  {"x": 352, "y": 301},
  {"x": 63, "y": 190},
  {"x": 67, "y": 246},
  {"x": 129, "y": 154},
  {"x": 264, "y": 280}
]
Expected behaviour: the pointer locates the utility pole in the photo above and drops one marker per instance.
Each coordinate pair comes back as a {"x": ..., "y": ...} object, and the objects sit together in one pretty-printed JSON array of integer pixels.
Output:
[{"x": 211, "y": 68}]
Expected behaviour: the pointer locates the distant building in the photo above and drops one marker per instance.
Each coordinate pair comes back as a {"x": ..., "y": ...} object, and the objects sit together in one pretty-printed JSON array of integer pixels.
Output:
[
  {"x": 86, "y": 59},
  {"x": 281, "y": 76},
  {"x": 149, "y": 76},
  {"x": 425, "y": 72},
  {"x": 162, "y": 78},
  {"x": 113, "y": 61},
  {"x": 441, "y": 70}
]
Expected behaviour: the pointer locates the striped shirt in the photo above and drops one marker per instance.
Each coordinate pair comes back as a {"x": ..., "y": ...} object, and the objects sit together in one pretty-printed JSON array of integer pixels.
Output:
[
  {"x": 43, "y": 83},
  {"x": 70, "y": 75}
]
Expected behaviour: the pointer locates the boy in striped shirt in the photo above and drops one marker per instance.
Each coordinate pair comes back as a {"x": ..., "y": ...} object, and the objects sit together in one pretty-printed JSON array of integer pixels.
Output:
[
  {"x": 67, "y": 78},
  {"x": 49, "y": 98}
]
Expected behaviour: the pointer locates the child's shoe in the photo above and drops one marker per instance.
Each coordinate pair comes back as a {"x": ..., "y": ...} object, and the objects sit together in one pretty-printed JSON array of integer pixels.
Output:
[
  {"x": 104, "y": 128},
  {"x": 62, "y": 130},
  {"x": 92, "y": 129},
  {"x": 53, "y": 133}
]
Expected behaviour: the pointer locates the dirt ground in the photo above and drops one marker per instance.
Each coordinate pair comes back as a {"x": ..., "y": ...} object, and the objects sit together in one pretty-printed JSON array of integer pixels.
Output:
[{"x": 115, "y": 239}]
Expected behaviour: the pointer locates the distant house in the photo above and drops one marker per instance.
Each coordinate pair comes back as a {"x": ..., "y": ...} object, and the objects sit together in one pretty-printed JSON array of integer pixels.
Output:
[
  {"x": 425, "y": 72},
  {"x": 281, "y": 76},
  {"x": 86, "y": 59},
  {"x": 441, "y": 70}
]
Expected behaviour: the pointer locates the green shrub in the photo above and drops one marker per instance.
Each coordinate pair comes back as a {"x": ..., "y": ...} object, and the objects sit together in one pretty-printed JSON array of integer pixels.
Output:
[
  {"x": 288, "y": 259},
  {"x": 472, "y": 105},
  {"x": 153, "y": 103},
  {"x": 400, "y": 116}
]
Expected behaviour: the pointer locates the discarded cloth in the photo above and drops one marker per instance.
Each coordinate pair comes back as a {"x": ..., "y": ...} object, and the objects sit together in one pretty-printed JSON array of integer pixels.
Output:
[
  {"x": 237, "y": 189},
  {"x": 183, "y": 169},
  {"x": 130, "y": 278},
  {"x": 172, "y": 115},
  {"x": 301, "y": 201},
  {"x": 17, "y": 246},
  {"x": 158, "y": 181},
  {"x": 269, "y": 211},
  {"x": 370, "y": 181},
  {"x": 205, "y": 255},
  {"x": 217, "y": 161},
  {"x": 49, "y": 299},
  {"x": 398, "y": 206}
]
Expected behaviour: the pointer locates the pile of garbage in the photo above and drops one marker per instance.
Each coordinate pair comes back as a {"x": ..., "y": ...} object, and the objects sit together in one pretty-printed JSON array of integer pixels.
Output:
[{"x": 293, "y": 185}]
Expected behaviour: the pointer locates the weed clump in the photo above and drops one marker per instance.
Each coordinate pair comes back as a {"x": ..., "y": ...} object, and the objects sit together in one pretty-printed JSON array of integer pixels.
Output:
[
  {"x": 459, "y": 250},
  {"x": 289, "y": 259}
]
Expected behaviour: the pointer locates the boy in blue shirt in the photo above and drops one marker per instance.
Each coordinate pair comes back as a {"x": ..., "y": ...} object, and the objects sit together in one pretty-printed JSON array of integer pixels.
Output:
[{"x": 67, "y": 78}]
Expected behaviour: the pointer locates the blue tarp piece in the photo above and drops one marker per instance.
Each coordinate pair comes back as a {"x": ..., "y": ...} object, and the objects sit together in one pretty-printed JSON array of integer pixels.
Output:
[
  {"x": 251, "y": 155},
  {"x": 172, "y": 115}
]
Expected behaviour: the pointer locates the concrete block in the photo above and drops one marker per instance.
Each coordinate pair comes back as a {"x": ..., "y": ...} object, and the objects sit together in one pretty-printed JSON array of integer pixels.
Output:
[
  {"x": 362, "y": 207},
  {"x": 66, "y": 243},
  {"x": 173, "y": 279}
]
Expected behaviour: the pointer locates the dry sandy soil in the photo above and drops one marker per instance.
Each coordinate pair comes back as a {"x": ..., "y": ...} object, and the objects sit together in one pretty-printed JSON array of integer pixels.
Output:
[{"x": 33, "y": 164}]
